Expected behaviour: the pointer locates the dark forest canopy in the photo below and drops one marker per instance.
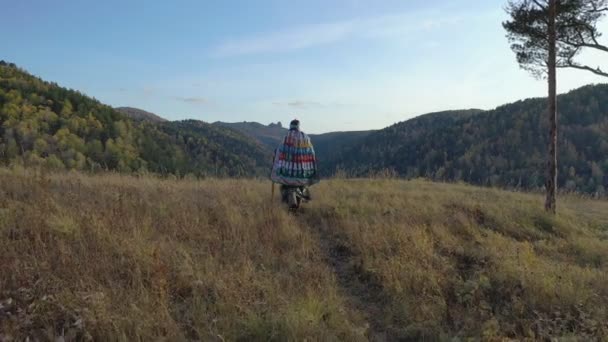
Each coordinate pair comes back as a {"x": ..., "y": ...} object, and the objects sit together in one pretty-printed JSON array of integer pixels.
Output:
[{"x": 503, "y": 147}]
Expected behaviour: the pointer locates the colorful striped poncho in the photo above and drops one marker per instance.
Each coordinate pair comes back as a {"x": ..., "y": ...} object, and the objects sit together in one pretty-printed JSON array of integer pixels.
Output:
[{"x": 294, "y": 161}]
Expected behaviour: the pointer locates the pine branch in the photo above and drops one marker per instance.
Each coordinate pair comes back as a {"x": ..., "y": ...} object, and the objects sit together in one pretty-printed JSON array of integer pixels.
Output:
[
  {"x": 540, "y": 5},
  {"x": 573, "y": 65},
  {"x": 595, "y": 45},
  {"x": 597, "y": 9},
  {"x": 587, "y": 45}
]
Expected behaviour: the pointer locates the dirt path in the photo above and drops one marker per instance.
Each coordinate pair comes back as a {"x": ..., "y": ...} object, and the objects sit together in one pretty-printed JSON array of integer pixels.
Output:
[{"x": 361, "y": 290}]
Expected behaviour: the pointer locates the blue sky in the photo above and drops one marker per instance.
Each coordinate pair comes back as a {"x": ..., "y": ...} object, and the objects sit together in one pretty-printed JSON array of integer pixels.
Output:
[{"x": 335, "y": 65}]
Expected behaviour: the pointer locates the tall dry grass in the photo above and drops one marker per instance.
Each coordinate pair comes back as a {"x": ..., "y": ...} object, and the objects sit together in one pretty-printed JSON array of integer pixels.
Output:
[{"x": 114, "y": 257}]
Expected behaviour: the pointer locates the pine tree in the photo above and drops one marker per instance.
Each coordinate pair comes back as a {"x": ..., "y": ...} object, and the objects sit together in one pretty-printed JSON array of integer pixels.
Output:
[{"x": 549, "y": 34}]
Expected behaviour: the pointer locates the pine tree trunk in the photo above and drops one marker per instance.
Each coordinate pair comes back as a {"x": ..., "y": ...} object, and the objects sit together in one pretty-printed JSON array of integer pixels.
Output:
[{"x": 550, "y": 202}]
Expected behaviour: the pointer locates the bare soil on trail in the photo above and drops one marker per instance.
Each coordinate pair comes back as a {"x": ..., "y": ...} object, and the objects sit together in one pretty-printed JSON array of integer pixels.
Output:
[{"x": 361, "y": 290}]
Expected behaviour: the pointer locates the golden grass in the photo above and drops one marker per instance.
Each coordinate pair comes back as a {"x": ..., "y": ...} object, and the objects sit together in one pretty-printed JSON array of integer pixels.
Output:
[{"x": 113, "y": 257}]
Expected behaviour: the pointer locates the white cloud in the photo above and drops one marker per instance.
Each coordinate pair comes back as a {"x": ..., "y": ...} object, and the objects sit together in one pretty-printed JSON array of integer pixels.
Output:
[{"x": 327, "y": 33}]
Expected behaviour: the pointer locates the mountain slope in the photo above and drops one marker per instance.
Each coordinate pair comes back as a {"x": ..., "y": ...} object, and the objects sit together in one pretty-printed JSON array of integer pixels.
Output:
[
  {"x": 220, "y": 151},
  {"x": 42, "y": 124},
  {"x": 270, "y": 136},
  {"x": 327, "y": 145},
  {"x": 505, "y": 146},
  {"x": 140, "y": 114},
  {"x": 378, "y": 150}
]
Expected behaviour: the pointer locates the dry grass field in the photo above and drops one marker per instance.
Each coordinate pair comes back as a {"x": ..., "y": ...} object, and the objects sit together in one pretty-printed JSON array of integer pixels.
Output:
[{"x": 113, "y": 257}]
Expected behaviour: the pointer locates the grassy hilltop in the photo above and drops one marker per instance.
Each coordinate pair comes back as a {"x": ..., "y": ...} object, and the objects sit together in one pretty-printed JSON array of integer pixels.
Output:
[{"x": 117, "y": 257}]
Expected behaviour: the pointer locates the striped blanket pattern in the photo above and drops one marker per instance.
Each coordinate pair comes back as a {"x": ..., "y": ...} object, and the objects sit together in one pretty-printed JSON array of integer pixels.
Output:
[{"x": 294, "y": 161}]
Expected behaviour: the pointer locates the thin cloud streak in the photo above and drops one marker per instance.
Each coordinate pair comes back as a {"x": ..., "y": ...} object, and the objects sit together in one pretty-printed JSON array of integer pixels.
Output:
[
  {"x": 192, "y": 100},
  {"x": 306, "y": 104},
  {"x": 303, "y": 104},
  {"x": 327, "y": 33}
]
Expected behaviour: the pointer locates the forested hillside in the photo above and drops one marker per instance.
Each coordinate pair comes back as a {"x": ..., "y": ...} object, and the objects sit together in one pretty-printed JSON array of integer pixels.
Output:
[
  {"x": 270, "y": 136},
  {"x": 328, "y": 146},
  {"x": 505, "y": 147},
  {"x": 43, "y": 124},
  {"x": 379, "y": 150},
  {"x": 140, "y": 114}
]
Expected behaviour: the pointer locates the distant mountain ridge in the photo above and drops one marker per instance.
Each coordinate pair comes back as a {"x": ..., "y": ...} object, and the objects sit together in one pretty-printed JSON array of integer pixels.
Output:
[
  {"x": 326, "y": 145},
  {"x": 270, "y": 135},
  {"x": 140, "y": 114}
]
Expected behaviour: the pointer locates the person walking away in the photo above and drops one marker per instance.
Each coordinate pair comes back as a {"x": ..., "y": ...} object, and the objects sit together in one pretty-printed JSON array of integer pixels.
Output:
[{"x": 295, "y": 166}]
